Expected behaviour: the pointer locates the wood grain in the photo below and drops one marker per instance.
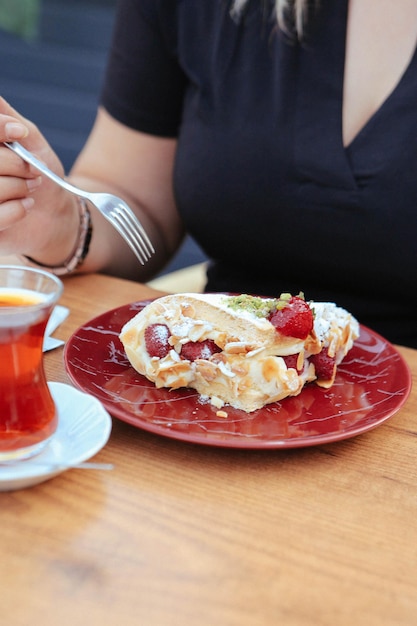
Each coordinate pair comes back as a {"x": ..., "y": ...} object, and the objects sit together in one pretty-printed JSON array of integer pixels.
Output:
[{"x": 181, "y": 534}]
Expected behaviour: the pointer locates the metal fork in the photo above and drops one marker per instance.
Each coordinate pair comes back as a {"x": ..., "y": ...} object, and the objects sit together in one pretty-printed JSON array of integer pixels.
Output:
[{"x": 114, "y": 209}]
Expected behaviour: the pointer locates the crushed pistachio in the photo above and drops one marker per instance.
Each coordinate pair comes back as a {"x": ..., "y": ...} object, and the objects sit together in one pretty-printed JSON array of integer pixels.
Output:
[
  {"x": 282, "y": 301},
  {"x": 260, "y": 307}
]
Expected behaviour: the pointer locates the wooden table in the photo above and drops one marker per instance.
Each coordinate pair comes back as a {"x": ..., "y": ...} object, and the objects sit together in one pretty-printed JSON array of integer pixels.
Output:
[{"x": 180, "y": 534}]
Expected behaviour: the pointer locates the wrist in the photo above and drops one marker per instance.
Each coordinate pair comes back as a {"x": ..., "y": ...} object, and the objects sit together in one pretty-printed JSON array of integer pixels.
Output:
[{"x": 79, "y": 251}]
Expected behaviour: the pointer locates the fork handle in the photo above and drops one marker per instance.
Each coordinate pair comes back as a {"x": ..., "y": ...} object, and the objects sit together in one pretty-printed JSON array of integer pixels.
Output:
[{"x": 30, "y": 158}]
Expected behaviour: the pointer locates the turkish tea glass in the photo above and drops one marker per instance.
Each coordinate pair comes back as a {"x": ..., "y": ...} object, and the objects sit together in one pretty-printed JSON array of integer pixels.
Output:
[{"x": 28, "y": 417}]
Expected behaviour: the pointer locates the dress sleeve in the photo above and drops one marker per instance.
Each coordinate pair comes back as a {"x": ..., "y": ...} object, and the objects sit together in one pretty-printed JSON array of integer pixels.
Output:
[{"x": 144, "y": 84}]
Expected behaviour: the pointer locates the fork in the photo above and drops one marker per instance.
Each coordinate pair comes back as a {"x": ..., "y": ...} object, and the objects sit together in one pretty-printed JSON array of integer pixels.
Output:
[{"x": 114, "y": 209}]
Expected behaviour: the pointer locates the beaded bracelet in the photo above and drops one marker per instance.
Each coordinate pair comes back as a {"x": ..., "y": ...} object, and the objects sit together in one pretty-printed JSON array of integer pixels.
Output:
[{"x": 77, "y": 257}]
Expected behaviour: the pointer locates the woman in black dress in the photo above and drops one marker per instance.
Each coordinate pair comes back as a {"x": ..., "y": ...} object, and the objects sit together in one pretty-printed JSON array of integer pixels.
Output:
[{"x": 281, "y": 135}]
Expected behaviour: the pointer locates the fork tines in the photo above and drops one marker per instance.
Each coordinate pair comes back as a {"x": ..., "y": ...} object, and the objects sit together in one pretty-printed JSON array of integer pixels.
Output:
[{"x": 125, "y": 221}]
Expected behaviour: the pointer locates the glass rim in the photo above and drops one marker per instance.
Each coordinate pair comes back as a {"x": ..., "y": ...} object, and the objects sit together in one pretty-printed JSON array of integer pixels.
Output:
[{"x": 48, "y": 299}]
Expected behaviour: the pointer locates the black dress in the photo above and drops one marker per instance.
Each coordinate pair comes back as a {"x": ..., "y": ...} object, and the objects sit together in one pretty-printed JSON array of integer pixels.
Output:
[{"x": 262, "y": 179}]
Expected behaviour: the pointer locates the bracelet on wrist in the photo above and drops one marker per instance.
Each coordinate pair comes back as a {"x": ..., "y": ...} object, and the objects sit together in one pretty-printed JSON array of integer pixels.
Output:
[{"x": 82, "y": 246}]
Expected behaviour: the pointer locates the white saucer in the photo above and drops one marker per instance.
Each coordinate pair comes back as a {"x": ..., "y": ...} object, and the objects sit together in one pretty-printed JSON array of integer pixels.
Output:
[{"x": 84, "y": 427}]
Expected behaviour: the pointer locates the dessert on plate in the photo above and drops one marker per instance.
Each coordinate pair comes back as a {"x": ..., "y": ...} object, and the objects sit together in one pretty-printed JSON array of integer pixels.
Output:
[{"x": 239, "y": 350}]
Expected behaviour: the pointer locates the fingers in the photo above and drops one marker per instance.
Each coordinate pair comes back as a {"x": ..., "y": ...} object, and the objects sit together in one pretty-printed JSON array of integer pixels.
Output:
[
  {"x": 13, "y": 212},
  {"x": 11, "y": 115},
  {"x": 18, "y": 181},
  {"x": 12, "y": 188},
  {"x": 15, "y": 127},
  {"x": 15, "y": 131},
  {"x": 12, "y": 165},
  {"x": 16, "y": 199}
]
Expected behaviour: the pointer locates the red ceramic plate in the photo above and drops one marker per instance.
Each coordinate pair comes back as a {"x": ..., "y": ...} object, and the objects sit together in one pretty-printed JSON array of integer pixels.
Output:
[{"x": 372, "y": 383}]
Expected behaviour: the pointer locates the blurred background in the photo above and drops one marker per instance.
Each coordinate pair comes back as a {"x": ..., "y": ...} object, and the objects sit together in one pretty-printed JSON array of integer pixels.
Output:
[{"x": 52, "y": 60}]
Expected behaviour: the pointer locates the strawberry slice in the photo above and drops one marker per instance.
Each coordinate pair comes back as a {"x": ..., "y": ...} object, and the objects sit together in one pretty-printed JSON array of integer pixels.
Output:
[
  {"x": 193, "y": 350},
  {"x": 324, "y": 365},
  {"x": 294, "y": 319},
  {"x": 156, "y": 340}
]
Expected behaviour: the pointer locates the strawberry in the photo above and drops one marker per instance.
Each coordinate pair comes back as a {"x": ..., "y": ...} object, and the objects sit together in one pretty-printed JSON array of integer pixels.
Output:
[
  {"x": 193, "y": 350},
  {"x": 291, "y": 361},
  {"x": 294, "y": 319},
  {"x": 324, "y": 365},
  {"x": 156, "y": 340}
]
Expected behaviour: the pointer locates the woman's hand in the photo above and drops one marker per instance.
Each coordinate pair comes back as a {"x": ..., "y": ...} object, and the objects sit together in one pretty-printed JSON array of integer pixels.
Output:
[
  {"x": 41, "y": 220},
  {"x": 36, "y": 216}
]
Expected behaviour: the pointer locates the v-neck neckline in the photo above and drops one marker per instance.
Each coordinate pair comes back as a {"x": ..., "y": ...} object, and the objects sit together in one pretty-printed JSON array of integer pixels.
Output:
[
  {"x": 320, "y": 97},
  {"x": 386, "y": 101}
]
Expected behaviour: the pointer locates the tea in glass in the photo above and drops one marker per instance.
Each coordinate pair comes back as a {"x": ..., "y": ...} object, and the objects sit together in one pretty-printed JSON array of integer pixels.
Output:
[{"x": 27, "y": 411}]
